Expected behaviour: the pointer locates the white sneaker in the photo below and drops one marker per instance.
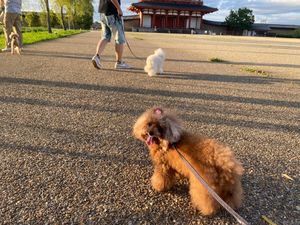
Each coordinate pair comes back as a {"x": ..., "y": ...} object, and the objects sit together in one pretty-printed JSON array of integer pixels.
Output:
[
  {"x": 6, "y": 49},
  {"x": 122, "y": 65},
  {"x": 96, "y": 62}
]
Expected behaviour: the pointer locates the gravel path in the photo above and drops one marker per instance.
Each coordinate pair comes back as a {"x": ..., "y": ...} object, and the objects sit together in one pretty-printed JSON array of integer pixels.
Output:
[{"x": 67, "y": 155}]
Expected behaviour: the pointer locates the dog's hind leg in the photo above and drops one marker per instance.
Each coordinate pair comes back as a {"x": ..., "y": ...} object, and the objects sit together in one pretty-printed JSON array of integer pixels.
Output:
[
  {"x": 229, "y": 175},
  {"x": 151, "y": 73},
  {"x": 17, "y": 49},
  {"x": 201, "y": 199},
  {"x": 161, "y": 70},
  {"x": 163, "y": 177}
]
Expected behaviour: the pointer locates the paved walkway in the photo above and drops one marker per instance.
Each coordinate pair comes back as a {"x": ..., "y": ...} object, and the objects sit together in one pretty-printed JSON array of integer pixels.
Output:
[{"x": 66, "y": 150}]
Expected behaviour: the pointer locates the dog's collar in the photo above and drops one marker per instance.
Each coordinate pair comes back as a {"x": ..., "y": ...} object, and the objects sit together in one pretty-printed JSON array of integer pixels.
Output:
[{"x": 174, "y": 144}]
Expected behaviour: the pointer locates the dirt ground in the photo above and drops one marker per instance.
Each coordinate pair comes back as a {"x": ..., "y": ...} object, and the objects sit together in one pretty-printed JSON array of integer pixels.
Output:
[{"x": 67, "y": 155}]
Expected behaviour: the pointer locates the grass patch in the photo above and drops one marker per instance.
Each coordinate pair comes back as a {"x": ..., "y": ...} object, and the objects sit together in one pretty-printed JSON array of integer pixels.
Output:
[
  {"x": 256, "y": 71},
  {"x": 136, "y": 36},
  {"x": 217, "y": 60},
  {"x": 31, "y": 37},
  {"x": 34, "y": 29},
  {"x": 27, "y": 29}
]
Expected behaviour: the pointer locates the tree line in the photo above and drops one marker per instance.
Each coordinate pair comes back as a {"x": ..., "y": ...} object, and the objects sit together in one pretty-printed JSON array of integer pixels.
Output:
[
  {"x": 239, "y": 20},
  {"x": 67, "y": 14},
  {"x": 243, "y": 19}
]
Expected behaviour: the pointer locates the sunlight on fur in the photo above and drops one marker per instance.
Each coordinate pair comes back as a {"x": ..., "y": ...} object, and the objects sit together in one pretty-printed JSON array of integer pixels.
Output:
[
  {"x": 214, "y": 161},
  {"x": 155, "y": 63}
]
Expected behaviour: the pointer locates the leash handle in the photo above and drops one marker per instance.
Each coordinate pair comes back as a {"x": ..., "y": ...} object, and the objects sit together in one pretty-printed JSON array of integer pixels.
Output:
[{"x": 210, "y": 190}]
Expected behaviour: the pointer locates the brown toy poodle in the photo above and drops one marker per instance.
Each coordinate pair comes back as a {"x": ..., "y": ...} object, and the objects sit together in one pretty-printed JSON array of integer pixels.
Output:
[{"x": 215, "y": 162}]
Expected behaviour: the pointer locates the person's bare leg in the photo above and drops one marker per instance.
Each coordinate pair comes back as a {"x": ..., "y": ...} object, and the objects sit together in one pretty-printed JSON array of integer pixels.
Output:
[
  {"x": 101, "y": 46},
  {"x": 120, "y": 64},
  {"x": 8, "y": 27},
  {"x": 18, "y": 27},
  {"x": 119, "y": 52}
]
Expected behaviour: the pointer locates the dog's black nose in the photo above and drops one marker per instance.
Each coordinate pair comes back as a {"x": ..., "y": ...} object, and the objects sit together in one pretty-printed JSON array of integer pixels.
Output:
[{"x": 150, "y": 133}]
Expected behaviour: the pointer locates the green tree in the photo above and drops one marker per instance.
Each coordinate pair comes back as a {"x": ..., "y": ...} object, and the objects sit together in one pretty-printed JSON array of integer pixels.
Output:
[
  {"x": 62, "y": 5},
  {"x": 45, "y": 5},
  {"x": 78, "y": 13},
  {"x": 54, "y": 20},
  {"x": 297, "y": 33},
  {"x": 70, "y": 12},
  {"x": 239, "y": 20},
  {"x": 33, "y": 19},
  {"x": 83, "y": 13}
]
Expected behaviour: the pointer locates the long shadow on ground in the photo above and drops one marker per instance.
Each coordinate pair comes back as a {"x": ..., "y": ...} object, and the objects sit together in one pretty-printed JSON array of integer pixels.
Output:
[
  {"x": 136, "y": 111},
  {"x": 140, "y": 91},
  {"x": 111, "y": 58}
]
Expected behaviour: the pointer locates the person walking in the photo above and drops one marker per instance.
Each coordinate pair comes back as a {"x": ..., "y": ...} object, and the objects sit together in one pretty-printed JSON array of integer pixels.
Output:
[
  {"x": 111, "y": 23},
  {"x": 12, "y": 19},
  {"x": 2, "y": 11}
]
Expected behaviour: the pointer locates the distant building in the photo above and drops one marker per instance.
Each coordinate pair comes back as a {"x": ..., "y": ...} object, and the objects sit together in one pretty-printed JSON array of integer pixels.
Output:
[
  {"x": 132, "y": 23},
  {"x": 214, "y": 27},
  {"x": 186, "y": 16},
  {"x": 257, "y": 29},
  {"x": 170, "y": 15},
  {"x": 96, "y": 26},
  {"x": 273, "y": 30}
]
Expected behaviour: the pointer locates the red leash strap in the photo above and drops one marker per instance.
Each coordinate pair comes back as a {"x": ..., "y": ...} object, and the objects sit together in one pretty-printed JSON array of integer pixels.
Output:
[{"x": 211, "y": 191}]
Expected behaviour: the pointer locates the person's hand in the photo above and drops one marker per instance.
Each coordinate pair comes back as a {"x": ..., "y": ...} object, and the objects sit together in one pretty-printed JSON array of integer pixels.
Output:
[{"x": 120, "y": 12}]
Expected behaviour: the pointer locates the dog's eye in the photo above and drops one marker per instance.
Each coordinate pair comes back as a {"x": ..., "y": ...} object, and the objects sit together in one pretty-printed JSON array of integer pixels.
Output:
[
  {"x": 160, "y": 129},
  {"x": 149, "y": 124}
]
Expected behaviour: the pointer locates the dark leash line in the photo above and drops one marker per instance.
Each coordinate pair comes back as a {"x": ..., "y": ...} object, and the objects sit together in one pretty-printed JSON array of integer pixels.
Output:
[
  {"x": 209, "y": 189},
  {"x": 127, "y": 43}
]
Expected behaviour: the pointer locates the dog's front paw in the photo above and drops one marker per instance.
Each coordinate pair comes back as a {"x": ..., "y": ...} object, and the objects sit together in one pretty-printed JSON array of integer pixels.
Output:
[
  {"x": 151, "y": 73},
  {"x": 160, "y": 182}
]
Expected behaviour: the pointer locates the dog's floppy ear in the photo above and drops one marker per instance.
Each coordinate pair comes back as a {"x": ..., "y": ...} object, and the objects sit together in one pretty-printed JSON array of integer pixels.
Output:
[
  {"x": 172, "y": 128},
  {"x": 13, "y": 35}
]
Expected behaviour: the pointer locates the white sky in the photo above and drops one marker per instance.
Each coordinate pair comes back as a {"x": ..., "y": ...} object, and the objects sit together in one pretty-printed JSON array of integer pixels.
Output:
[{"x": 265, "y": 11}]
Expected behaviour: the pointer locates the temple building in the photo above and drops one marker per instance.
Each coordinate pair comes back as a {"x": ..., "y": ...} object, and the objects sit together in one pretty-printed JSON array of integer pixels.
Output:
[{"x": 180, "y": 15}]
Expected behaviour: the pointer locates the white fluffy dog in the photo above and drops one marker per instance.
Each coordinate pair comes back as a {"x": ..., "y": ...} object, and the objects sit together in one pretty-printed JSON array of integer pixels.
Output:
[{"x": 155, "y": 62}]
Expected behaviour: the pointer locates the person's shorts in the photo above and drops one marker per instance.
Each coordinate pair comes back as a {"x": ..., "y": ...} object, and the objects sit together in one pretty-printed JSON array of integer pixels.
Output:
[{"x": 112, "y": 25}]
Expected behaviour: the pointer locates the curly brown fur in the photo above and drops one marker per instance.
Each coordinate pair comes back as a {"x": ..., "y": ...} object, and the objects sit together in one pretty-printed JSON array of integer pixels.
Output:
[
  {"x": 214, "y": 161},
  {"x": 15, "y": 44}
]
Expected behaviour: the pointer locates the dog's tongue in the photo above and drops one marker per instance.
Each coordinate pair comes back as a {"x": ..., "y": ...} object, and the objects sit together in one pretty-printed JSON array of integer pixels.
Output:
[{"x": 149, "y": 140}]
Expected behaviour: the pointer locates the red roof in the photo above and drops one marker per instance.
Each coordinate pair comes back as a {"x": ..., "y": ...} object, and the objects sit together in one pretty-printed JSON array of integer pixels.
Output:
[{"x": 182, "y": 6}]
